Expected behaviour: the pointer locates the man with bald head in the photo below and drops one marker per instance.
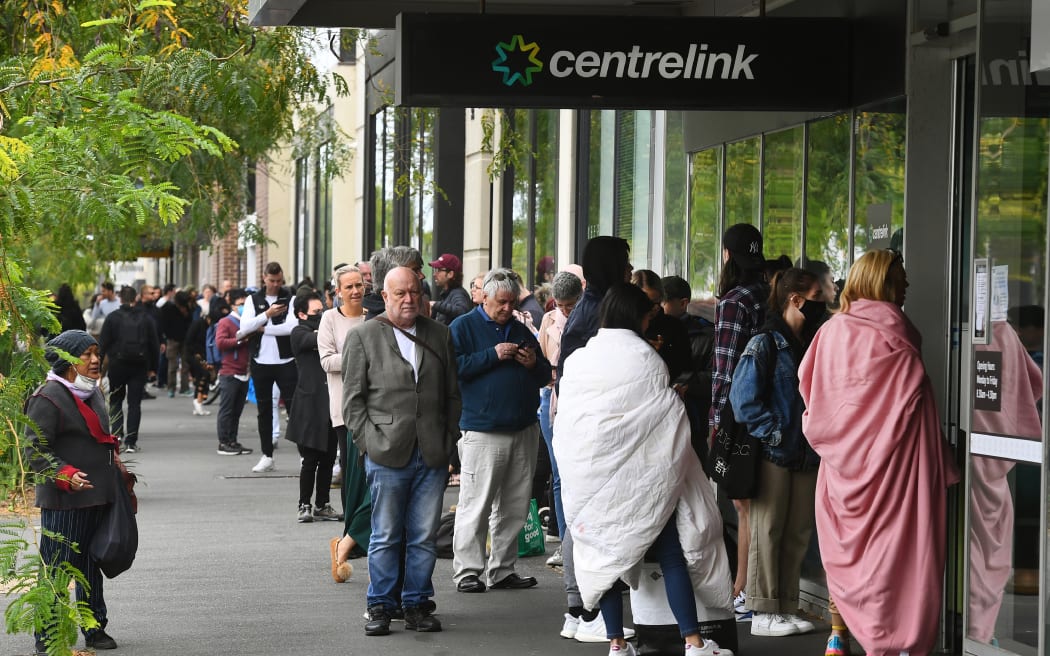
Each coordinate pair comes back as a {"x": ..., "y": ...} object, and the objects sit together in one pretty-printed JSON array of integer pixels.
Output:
[{"x": 401, "y": 402}]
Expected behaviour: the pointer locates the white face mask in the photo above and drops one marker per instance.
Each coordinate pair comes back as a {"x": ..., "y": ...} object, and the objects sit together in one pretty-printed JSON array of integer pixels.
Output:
[{"x": 84, "y": 383}]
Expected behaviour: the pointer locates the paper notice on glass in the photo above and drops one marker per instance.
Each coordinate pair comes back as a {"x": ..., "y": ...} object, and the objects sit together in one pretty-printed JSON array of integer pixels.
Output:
[
  {"x": 980, "y": 301},
  {"x": 1000, "y": 292}
]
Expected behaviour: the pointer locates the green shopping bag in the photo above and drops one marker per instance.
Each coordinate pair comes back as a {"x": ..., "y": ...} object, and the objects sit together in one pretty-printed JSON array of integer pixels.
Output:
[{"x": 530, "y": 540}]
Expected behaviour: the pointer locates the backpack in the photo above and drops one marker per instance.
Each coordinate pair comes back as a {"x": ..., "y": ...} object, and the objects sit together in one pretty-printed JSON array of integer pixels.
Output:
[
  {"x": 132, "y": 341},
  {"x": 212, "y": 355}
]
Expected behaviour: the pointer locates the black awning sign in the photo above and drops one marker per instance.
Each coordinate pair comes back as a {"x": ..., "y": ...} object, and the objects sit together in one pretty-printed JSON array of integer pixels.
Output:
[{"x": 687, "y": 63}]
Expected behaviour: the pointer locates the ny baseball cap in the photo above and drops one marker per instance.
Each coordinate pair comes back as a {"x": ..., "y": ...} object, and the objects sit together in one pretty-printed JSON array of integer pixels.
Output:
[{"x": 744, "y": 243}]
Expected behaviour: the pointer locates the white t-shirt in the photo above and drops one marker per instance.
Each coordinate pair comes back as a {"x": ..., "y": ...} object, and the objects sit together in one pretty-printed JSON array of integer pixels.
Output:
[{"x": 408, "y": 348}]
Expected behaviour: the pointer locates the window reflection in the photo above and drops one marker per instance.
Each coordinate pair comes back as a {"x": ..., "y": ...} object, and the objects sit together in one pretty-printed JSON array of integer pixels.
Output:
[
  {"x": 705, "y": 204},
  {"x": 782, "y": 194},
  {"x": 743, "y": 176},
  {"x": 534, "y": 206},
  {"x": 879, "y": 178},
  {"x": 675, "y": 198},
  {"x": 827, "y": 191}
]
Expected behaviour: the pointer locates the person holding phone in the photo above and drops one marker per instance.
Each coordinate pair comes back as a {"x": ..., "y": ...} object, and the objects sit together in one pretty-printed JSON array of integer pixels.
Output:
[
  {"x": 264, "y": 323},
  {"x": 501, "y": 370}
]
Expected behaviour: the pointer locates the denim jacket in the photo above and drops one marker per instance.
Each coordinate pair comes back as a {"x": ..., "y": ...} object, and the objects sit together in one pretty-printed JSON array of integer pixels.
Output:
[{"x": 772, "y": 415}]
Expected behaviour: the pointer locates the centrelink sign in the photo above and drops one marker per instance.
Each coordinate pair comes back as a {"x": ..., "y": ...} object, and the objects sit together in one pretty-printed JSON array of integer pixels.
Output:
[{"x": 629, "y": 62}]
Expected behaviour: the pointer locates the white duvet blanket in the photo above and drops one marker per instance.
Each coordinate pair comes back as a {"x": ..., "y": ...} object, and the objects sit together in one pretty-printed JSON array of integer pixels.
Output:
[{"x": 621, "y": 440}]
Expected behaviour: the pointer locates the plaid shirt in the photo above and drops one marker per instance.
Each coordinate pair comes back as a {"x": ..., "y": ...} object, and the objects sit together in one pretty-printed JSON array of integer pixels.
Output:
[{"x": 738, "y": 317}]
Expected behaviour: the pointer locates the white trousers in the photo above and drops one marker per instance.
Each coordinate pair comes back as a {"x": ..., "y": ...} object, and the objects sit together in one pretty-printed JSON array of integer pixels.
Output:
[{"x": 495, "y": 486}]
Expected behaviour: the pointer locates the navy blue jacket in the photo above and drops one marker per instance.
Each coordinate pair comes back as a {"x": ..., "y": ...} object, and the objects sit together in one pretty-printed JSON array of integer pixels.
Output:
[{"x": 498, "y": 395}]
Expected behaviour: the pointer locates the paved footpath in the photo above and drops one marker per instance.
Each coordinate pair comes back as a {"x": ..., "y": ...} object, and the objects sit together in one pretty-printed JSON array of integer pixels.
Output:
[{"x": 224, "y": 568}]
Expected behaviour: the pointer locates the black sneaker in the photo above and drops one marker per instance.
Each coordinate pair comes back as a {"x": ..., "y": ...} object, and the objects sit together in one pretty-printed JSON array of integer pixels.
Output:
[
  {"x": 232, "y": 449},
  {"x": 420, "y": 619},
  {"x": 100, "y": 640},
  {"x": 378, "y": 622}
]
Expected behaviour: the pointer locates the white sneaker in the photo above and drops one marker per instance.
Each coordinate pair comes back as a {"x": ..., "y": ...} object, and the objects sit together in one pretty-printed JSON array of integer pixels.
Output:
[
  {"x": 803, "y": 625},
  {"x": 739, "y": 608},
  {"x": 710, "y": 648},
  {"x": 626, "y": 650},
  {"x": 555, "y": 560},
  {"x": 265, "y": 465},
  {"x": 198, "y": 409},
  {"x": 569, "y": 627},
  {"x": 769, "y": 624},
  {"x": 594, "y": 631}
]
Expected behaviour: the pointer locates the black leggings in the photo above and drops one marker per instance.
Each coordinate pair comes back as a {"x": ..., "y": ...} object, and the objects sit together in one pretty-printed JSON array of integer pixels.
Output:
[{"x": 317, "y": 471}]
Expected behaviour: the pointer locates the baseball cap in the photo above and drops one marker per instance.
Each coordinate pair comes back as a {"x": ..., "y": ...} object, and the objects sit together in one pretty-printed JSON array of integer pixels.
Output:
[
  {"x": 447, "y": 261},
  {"x": 744, "y": 243}
]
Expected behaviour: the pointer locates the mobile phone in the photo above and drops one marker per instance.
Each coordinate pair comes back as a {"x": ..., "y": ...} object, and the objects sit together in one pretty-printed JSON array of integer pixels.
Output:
[
  {"x": 523, "y": 344},
  {"x": 279, "y": 319}
]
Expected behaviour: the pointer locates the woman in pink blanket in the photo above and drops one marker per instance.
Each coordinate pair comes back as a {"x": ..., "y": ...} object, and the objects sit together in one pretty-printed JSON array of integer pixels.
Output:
[{"x": 880, "y": 504}]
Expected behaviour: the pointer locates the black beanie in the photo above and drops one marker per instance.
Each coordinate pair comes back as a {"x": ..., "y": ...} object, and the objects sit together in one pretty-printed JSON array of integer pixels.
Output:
[{"x": 73, "y": 342}]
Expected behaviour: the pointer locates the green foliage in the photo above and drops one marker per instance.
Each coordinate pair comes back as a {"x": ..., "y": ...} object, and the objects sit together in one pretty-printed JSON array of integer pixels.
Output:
[{"x": 120, "y": 122}]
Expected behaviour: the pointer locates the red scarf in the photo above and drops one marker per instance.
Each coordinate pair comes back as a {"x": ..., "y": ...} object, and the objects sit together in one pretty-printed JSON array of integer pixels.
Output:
[{"x": 101, "y": 435}]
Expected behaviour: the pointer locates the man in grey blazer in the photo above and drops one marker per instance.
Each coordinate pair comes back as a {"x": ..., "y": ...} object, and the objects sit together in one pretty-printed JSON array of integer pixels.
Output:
[{"x": 401, "y": 402}]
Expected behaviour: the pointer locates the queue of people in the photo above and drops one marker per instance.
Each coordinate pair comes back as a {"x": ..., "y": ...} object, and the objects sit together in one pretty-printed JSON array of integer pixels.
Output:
[{"x": 621, "y": 382}]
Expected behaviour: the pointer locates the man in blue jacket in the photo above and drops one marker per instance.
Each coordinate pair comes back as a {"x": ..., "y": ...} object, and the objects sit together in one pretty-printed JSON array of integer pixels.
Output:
[{"x": 501, "y": 372}]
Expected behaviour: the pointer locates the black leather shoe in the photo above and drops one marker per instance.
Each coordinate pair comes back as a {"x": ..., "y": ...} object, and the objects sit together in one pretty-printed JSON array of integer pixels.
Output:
[
  {"x": 472, "y": 583},
  {"x": 100, "y": 640},
  {"x": 515, "y": 582},
  {"x": 378, "y": 622},
  {"x": 420, "y": 619}
]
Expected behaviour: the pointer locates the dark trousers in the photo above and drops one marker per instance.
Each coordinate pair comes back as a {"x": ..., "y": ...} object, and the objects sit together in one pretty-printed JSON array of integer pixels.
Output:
[
  {"x": 317, "y": 469},
  {"x": 126, "y": 380},
  {"x": 232, "y": 395},
  {"x": 77, "y": 526},
  {"x": 264, "y": 376},
  {"x": 176, "y": 364}
]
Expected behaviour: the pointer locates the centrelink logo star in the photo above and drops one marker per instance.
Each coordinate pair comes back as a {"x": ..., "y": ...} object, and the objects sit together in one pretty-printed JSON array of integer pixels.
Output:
[{"x": 532, "y": 63}]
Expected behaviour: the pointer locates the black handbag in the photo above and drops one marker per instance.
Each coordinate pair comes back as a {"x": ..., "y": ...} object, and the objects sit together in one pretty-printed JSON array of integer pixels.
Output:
[
  {"x": 735, "y": 458},
  {"x": 116, "y": 540},
  {"x": 736, "y": 454}
]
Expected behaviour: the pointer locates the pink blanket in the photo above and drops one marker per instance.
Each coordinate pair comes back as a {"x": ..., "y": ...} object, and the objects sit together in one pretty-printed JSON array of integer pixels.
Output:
[{"x": 880, "y": 507}]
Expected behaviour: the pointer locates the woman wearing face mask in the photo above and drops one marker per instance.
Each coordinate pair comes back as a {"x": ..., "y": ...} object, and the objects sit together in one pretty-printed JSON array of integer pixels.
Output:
[
  {"x": 765, "y": 397},
  {"x": 75, "y": 457},
  {"x": 309, "y": 425}
]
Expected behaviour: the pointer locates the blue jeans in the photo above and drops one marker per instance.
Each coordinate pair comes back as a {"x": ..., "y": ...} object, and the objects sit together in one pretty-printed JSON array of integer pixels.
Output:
[
  {"x": 548, "y": 436},
  {"x": 406, "y": 508},
  {"x": 680, "y": 595}
]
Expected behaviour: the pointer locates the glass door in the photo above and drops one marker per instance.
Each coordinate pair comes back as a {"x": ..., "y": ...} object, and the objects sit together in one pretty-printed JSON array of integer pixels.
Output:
[{"x": 1006, "y": 531}]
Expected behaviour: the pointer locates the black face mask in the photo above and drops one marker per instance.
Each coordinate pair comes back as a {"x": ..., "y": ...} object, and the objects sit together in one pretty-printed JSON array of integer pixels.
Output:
[
  {"x": 814, "y": 312},
  {"x": 313, "y": 321}
]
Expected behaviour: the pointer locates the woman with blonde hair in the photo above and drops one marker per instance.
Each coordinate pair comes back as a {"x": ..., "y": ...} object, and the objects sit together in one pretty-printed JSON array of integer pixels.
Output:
[
  {"x": 357, "y": 501},
  {"x": 885, "y": 466}
]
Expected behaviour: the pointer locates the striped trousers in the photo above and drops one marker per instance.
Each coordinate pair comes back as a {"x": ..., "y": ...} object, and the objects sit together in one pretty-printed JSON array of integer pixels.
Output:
[{"x": 76, "y": 525}]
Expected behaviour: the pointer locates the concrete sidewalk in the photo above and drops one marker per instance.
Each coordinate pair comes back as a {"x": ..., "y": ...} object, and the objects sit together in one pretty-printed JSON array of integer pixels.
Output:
[{"x": 224, "y": 568}]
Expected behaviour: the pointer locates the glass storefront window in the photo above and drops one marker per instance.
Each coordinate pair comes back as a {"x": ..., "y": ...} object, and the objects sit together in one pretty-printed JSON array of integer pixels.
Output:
[
  {"x": 420, "y": 185},
  {"x": 385, "y": 149},
  {"x": 705, "y": 206},
  {"x": 782, "y": 194},
  {"x": 742, "y": 179},
  {"x": 601, "y": 162},
  {"x": 879, "y": 181},
  {"x": 1005, "y": 594},
  {"x": 674, "y": 198},
  {"x": 632, "y": 180},
  {"x": 827, "y": 193},
  {"x": 535, "y": 197}
]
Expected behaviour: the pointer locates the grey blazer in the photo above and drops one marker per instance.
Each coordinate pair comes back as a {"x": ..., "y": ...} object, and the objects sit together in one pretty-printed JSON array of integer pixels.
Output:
[{"x": 386, "y": 410}]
